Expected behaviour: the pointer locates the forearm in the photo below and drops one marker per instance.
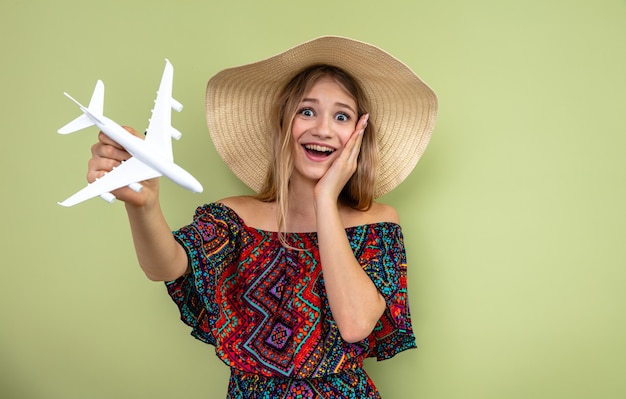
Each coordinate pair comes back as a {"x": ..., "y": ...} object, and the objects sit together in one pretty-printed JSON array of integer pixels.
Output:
[
  {"x": 160, "y": 256},
  {"x": 354, "y": 300}
]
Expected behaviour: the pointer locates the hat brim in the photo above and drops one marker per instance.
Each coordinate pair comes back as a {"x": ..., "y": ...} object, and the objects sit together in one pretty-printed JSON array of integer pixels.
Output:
[{"x": 239, "y": 102}]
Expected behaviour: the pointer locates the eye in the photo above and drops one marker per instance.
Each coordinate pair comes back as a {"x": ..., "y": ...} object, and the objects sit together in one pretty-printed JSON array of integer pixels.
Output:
[
  {"x": 307, "y": 112},
  {"x": 342, "y": 117}
]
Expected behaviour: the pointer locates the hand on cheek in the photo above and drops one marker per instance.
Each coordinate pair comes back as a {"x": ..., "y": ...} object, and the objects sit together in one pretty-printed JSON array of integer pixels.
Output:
[{"x": 344, "y": 166}]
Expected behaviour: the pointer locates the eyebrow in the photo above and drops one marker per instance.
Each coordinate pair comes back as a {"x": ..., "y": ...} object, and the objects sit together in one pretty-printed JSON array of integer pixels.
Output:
[{"x": 340, "y": 104}]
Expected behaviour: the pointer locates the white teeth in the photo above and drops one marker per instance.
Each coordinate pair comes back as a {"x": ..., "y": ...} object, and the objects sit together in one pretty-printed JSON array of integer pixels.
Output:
[{"x": 318, "y": 148}]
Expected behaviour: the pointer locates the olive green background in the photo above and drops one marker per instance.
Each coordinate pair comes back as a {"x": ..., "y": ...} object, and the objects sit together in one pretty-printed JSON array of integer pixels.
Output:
[{"x": 514, "y": 218}]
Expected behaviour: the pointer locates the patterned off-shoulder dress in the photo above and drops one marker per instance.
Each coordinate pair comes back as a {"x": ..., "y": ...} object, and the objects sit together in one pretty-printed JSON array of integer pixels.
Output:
[{"x": 264, "y": 307}]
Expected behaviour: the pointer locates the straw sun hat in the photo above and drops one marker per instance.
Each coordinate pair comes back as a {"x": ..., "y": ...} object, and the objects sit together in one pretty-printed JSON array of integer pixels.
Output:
[{"x": 239, "y": 100}]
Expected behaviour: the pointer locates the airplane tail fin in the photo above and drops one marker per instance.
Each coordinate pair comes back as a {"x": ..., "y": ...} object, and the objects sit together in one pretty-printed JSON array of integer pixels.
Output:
[{"x": 90, "y": 114}]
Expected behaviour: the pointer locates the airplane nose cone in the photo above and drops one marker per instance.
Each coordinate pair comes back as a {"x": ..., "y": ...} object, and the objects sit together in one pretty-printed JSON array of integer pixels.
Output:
[
  {"x": 196, "y": 187},
  {"x": 181, "y": 177}
]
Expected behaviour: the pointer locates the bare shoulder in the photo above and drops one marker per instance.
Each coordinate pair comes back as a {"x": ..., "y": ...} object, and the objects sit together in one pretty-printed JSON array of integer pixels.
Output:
[
  {"x": 378, "y": 213},
  {"x": 384, "y": 213},
  {"x": 236, "y": 202},
  {"x": 254, "y": 213}
]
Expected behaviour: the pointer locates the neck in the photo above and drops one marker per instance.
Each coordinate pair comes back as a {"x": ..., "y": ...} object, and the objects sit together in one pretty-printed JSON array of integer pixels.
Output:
[{"x": 301, "y": 215}]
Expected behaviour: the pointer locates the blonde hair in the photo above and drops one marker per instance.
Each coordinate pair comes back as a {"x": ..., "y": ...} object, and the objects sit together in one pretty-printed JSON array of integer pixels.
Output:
[{"x": 358, "y": 192}]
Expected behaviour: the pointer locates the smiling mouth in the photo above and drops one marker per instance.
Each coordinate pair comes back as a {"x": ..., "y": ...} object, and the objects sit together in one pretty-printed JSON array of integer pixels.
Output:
[{"x": 318, "y": 150}]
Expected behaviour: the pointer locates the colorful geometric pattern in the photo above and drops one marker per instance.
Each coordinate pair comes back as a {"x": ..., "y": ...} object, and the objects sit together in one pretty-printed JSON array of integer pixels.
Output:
[
  {"x": 350, "y": 384},
  {"x": 264, "y": 306}
]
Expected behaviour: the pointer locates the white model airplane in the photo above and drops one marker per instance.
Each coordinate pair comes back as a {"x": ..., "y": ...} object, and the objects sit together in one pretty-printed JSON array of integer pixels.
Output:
[{"x": 151, "y": 157}]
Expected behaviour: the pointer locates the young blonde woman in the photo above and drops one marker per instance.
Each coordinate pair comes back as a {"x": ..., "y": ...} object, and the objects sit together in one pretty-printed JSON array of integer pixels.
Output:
[{"x": 296, "y": 285}]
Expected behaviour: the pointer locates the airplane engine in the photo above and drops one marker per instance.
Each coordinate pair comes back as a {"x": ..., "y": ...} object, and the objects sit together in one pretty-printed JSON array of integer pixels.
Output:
[
  {"x": 176, "y": 106},
  {"x": 136, "y": 187},
  {"x": 176, "y": 135},
  {"x": 108, "y": 197}
]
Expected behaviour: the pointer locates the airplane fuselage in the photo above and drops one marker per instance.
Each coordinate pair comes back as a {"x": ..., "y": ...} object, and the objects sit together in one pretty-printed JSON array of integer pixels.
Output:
[{"x": 146, "y": 153}]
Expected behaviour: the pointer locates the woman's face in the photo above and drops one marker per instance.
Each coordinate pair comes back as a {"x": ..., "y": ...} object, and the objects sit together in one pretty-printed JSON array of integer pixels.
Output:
[{"x": 324, "y": 121}]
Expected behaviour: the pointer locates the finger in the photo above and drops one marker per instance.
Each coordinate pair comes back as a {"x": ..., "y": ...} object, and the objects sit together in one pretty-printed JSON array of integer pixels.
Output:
[
  {"x": 108, "y": 148},
  {"x": 106, "y": 155},
  {"x": 106, "y": 140},
  {"x": 109, "y": 152},
  {"x": 358, "y": 131},
  {"x": 364, "y": 119},
  {"x": 354, "y": 148},
  {"x": 133, "y": 131},
  {"x": 361, "y": 124},
  {"x": 104, "y": 159},
  {"x": 93, "y": 175}
]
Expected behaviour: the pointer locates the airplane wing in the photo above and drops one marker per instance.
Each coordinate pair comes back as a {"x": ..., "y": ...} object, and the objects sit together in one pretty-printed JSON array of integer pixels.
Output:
[
  {"x": 160, "y": 130},
  {"x": 131, "y": 171}
]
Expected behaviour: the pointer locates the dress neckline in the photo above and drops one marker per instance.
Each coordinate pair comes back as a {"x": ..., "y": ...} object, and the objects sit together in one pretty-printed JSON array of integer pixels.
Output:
[{"x": 296, "y": 233}]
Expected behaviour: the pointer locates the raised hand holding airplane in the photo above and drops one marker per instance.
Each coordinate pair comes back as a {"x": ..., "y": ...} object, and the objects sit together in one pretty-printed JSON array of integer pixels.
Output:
[{"x": 150, "y": 158}]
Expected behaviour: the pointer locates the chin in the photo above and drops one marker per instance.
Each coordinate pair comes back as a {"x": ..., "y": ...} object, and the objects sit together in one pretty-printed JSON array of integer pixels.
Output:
[{"x": 311, "y": 175}]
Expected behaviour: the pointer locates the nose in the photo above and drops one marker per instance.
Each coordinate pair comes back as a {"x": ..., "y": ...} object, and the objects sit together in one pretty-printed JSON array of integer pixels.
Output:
[{"x": 323, "y": 127}]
